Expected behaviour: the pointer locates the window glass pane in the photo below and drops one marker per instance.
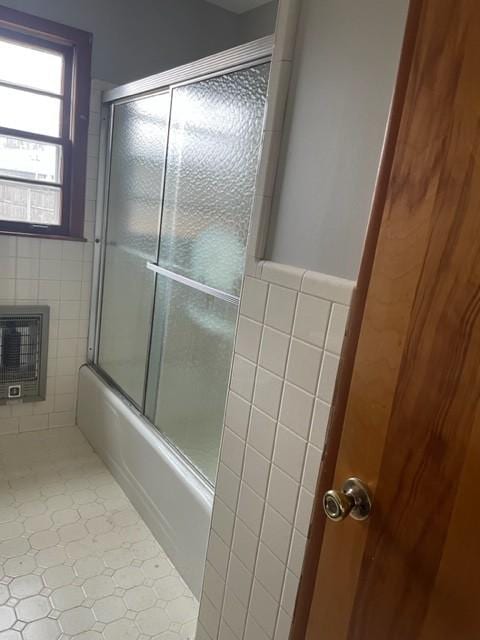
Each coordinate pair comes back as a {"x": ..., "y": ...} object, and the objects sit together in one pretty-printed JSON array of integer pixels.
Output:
[
  {"x": 30, "y": 160},
  {"x": 29, "y": 112},
  {"x": 31, "y": 67},
  {"x": 29, "y": 203}
]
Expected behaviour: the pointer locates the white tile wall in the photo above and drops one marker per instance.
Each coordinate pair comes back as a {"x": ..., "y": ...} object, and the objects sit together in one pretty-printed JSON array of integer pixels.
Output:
[
  {"x": 290, "y": 333},
  {"x": 56, "y": 273}
]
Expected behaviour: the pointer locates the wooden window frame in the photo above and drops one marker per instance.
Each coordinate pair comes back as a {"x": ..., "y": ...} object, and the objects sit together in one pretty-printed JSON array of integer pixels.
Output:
[{"x": 75, "y": 46}]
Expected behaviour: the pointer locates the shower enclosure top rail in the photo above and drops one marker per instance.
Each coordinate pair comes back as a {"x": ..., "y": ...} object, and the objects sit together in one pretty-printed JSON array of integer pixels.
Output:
[
  {"x": 249, "y": 52},
  {"x": 193, "y": 284}
]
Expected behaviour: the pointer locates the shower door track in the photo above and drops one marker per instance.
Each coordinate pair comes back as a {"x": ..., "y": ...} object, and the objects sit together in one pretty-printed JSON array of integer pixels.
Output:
[{"x": 194, "y": 284}]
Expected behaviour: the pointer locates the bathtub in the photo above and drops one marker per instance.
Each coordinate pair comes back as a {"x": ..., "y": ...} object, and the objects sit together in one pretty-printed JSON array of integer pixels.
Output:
[{"x": 175, "y": 503}]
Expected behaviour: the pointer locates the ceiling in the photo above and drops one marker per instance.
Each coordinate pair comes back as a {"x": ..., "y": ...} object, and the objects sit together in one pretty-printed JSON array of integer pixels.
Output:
[{"x": 239, "y": 6}]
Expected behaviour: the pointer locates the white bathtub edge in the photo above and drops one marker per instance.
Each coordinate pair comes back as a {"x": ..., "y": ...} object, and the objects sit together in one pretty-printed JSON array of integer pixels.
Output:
[{"x": 131, "y": 443}]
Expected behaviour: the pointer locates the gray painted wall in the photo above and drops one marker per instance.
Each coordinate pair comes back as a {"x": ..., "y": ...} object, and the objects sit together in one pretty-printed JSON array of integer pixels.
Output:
[
  {"x": 135, "y": 38},
  {"x": 346, "y": 62},
  {"x": 258, "y": 22}
]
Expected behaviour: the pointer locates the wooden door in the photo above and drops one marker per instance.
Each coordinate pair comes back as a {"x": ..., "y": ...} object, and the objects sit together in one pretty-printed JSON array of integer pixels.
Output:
[{"x": 407, "y": 410}]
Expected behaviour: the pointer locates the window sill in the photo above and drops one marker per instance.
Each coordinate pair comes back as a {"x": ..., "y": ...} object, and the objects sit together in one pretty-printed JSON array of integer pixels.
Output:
[{"x": 49, "y": 236}]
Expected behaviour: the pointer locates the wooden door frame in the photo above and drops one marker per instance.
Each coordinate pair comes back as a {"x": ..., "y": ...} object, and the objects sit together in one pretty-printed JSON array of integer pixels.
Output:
[{"x": 342, "y": 389}]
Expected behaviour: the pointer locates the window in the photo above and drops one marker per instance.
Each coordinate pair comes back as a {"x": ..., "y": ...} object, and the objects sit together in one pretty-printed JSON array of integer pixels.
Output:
[{"x": 44, "y": 104}]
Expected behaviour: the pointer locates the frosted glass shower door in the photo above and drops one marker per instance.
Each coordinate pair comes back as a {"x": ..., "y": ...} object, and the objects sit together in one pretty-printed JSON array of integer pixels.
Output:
[
  {"x": 137, "y": 161},
  {"x": 213, "y": 149}
]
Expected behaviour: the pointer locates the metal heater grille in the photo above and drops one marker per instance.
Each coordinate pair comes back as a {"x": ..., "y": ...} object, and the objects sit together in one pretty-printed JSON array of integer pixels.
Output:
[{"x": 23, "y": 352}]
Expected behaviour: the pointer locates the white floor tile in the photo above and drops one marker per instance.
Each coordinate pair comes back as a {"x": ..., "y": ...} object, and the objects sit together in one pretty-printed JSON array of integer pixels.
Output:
[{"x": 76, "y": 559}]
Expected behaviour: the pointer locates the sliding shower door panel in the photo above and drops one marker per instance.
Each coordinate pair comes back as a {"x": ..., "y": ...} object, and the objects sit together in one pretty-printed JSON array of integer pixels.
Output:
[
  {"x": 134, "y": 195},
  {"x": 213, "y": 149},
  {"x": 215, "y": 136},
  {"x": 196, "y": 332}
]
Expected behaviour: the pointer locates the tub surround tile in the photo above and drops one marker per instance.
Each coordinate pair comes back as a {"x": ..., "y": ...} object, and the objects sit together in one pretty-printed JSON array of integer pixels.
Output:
[{"x": 290, "y": 334}]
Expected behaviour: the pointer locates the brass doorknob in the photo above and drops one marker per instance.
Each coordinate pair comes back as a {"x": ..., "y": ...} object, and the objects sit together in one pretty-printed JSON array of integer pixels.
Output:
[{"x": 353, "y": 500}]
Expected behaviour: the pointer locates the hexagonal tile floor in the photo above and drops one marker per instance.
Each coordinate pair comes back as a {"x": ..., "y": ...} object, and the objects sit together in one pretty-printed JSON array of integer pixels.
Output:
[{"x": 76, "y": 560}]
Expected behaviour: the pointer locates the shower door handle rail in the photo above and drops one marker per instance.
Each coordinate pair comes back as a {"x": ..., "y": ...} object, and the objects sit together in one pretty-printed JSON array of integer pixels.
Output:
[{"x": 193, "y": 284}]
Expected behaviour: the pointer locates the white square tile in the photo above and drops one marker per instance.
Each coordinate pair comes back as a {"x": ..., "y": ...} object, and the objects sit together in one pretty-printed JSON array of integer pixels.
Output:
[
  {"x": 276, "y": 533},
  {"x": 269, "y": 571},
  {"x": 232, "y": 451},
  {"x": 68, "y": 328},
  {"x": 9, "y": 425},
  {"x": 237, "y": 414},
  {"x": 296, "y": 410},
  {"x": 312, "y": 466},
  {"x": 227, "y": 485},
  {"x": 72, "y": 250},
  {"x": 222, "y": 520},
  {"x": 69, "y": 291},
  {"x": 213, "y": 585},
  {"x": 321, "y": 414},
  {"x": 67, "y": 348},
  {"x": 8, "y": 246},
  {"x": 50, "y": 249},
  {"x": 328, "y": 377},
  {"x": 245, "y": 544},
  {"x": 256, "y": 471},
  {"x": 50, "y": 269},
  {"x": 282, "y": 493},
  {"x": 61, "y": 419},
  {"x": 69, "y": 310},
  {"x": 297, "y": 553},
  {"x": 239, "y": 579},
  {"x": 26, "y": 290},
  {"x": 27, "y": 268},
  {"x": 209, "y": 617},
  {"x": 253, "y": 300},
  {"x": 243, "y": 377},
  {"x": 290, "y": 589},
  {"x": 263, "y": 608},
  {"x": 274, "y": 351},
  {"x": 64, "y": 402},
  {"x": 336, "y": 328},
  {"x": 311, "y": 319},
  {"x": 268, "y": 392},
  {"x": 247, "y": 341},
  {"x": 49, "y": 289},
  {"x": 289, "y": 452},
  {"x": 234, "y": 613},
  {"x": 304, "y": 365},
  {"x": 224, "y": 632},
  {"x": 67, "y": 366},
  {"x": 7, "y": 266},
  {"x": 253, "y": 631},
  {"x": 33, "y": 423},
  {"x": 65, "y": 384},
  {"x": 261, "y": 434},
  {"x": 7, "y": 289},
  {"x": 201, "y": 633},
  {"x": 28, "y": 247},
  {"x": 217, "y": 554},
  {"x": 284, "y": 625},
  {"x": 280, "y": 308},
  {"x": 250, "y": 508},
  {"x": 72, "y": 270},
  {"x": 20, "y": 408}
]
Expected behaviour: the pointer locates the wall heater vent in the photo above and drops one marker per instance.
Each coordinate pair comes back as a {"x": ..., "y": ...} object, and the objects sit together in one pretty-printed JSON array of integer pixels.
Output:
[{"x": 23, "y": 352}]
